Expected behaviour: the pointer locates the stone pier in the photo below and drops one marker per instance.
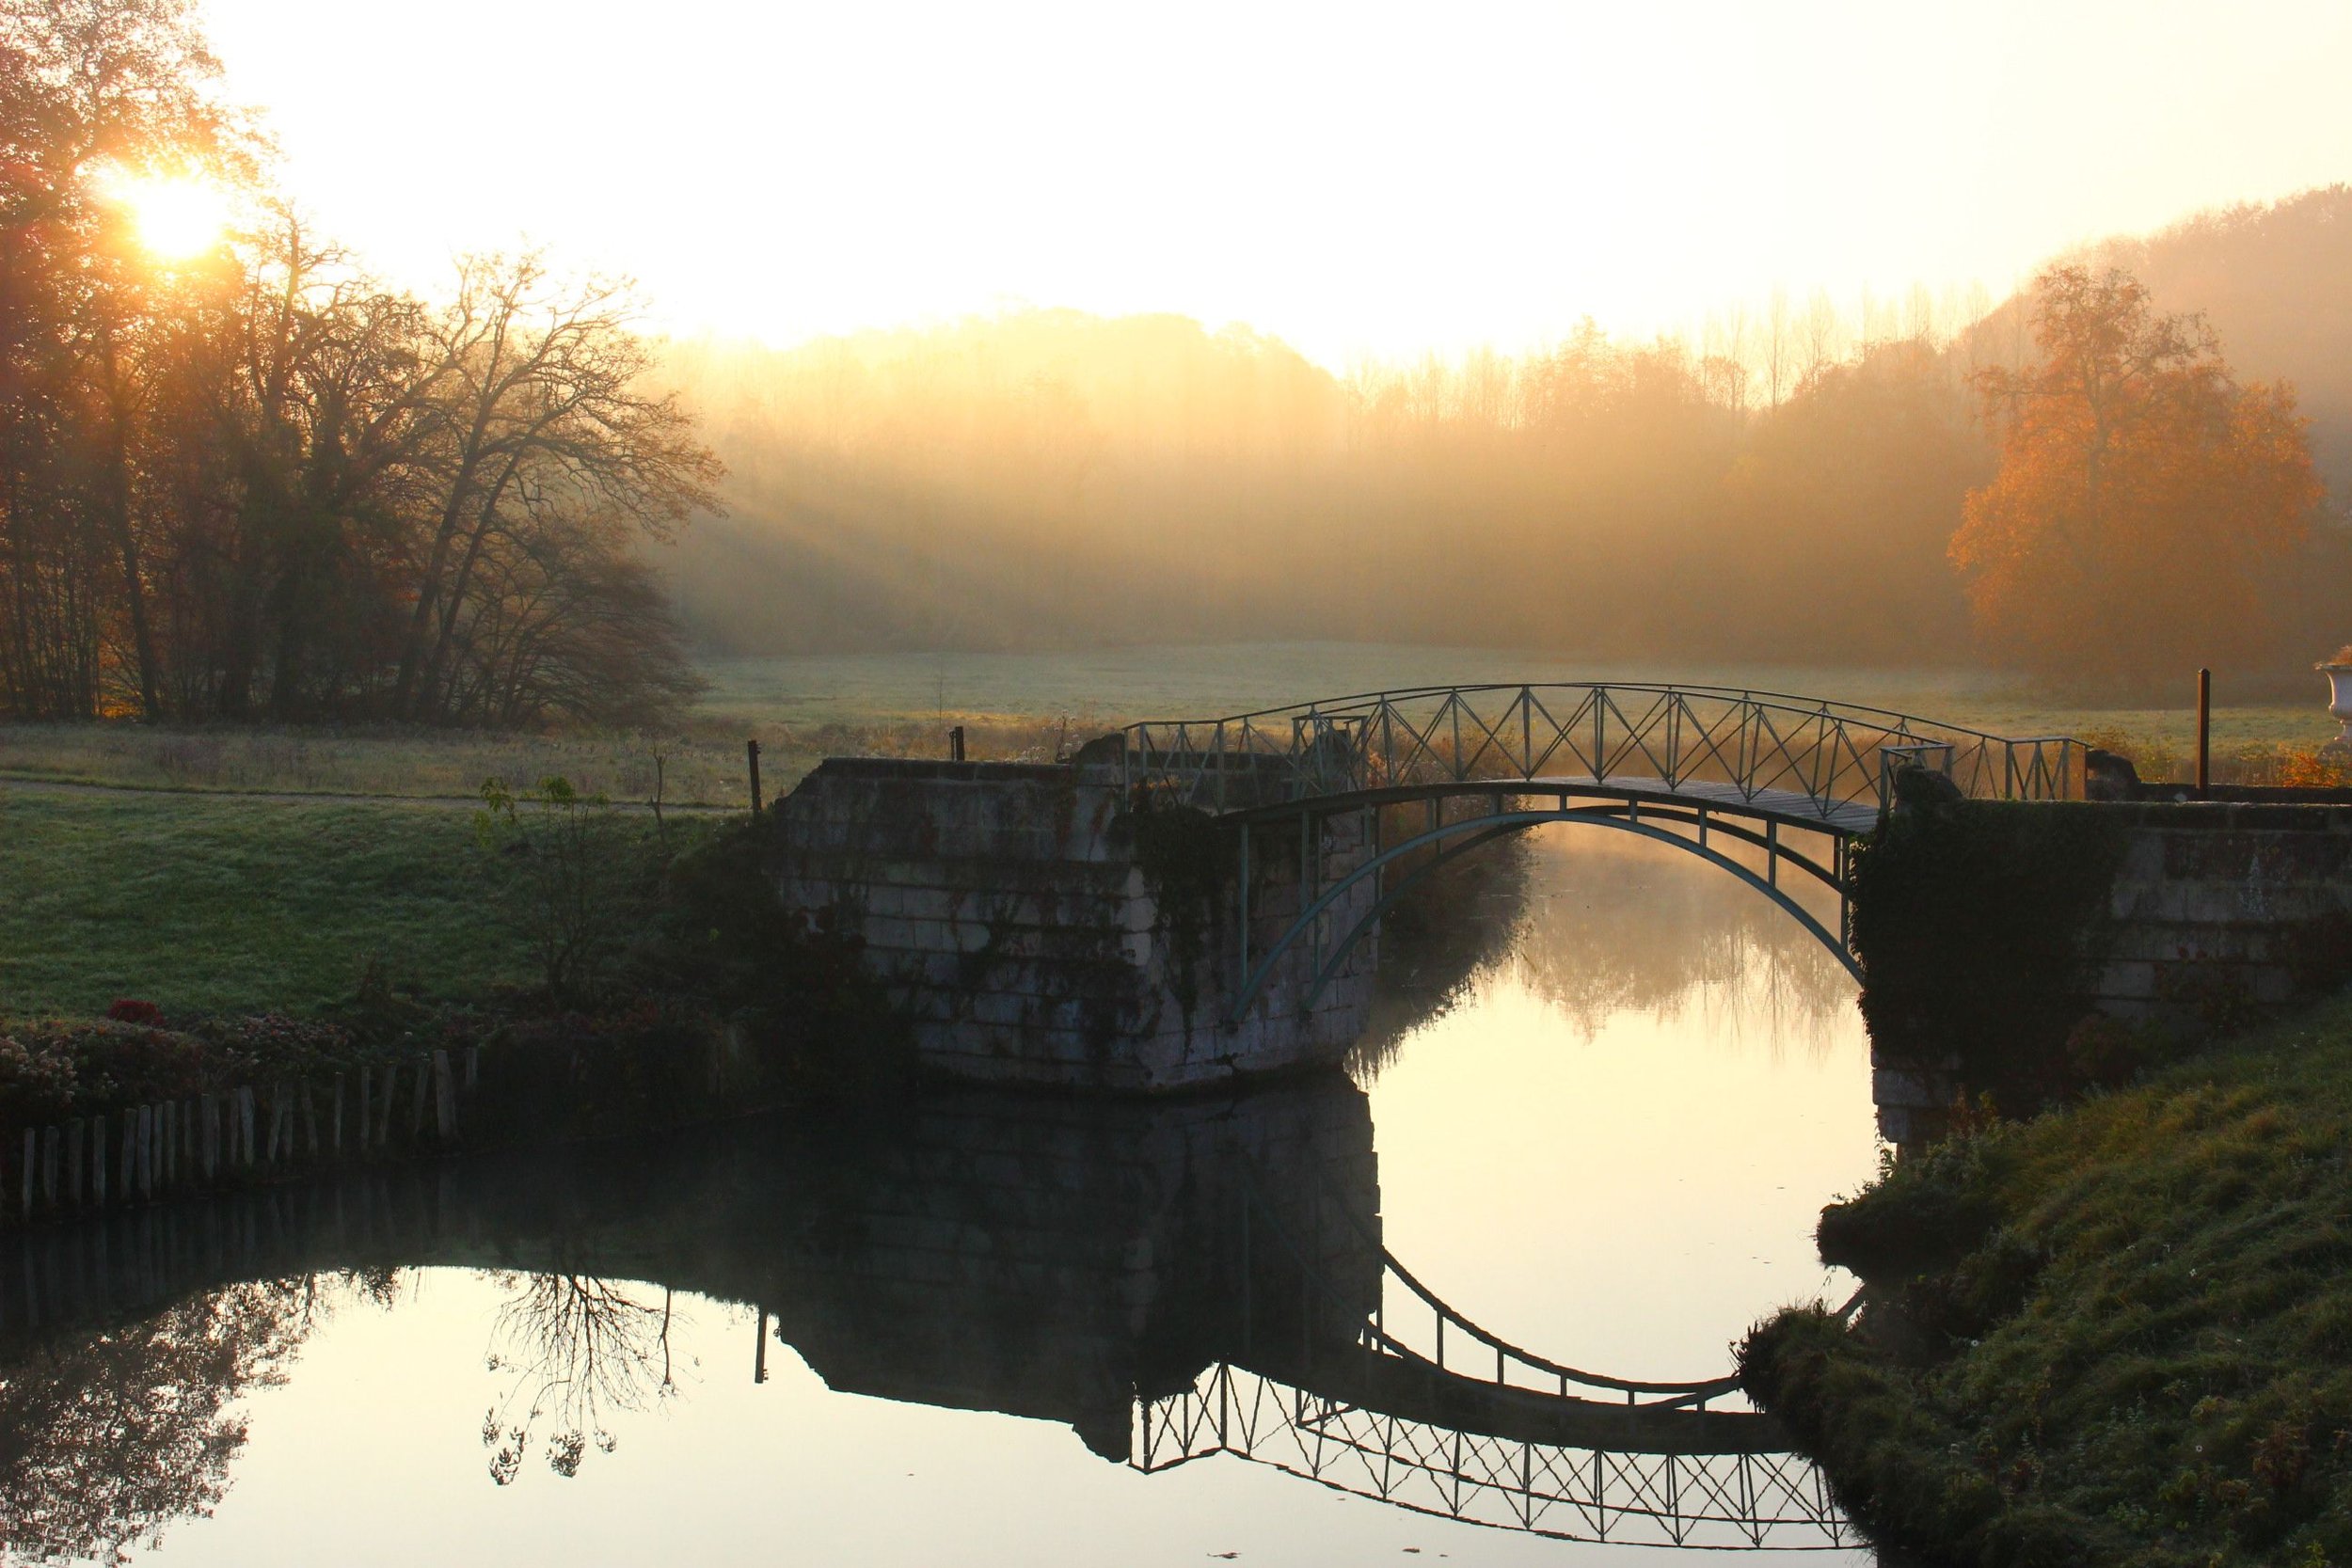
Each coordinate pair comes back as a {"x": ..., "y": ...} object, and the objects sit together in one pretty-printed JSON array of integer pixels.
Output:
[
  {"x": 1037, "y": 928},
  {"x": 2199, "y": 916}
]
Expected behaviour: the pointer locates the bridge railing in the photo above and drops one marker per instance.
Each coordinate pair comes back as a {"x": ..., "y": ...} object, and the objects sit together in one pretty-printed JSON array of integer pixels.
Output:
[
  {"x": 1821, "y": 757},
  {"x": 1738, "y": 1500},
  {"x": 1438, "y": 1339}
]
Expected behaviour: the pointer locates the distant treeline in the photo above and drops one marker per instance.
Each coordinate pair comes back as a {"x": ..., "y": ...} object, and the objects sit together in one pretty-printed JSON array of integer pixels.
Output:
[
  {"x": 253, "y": 483},
  {"x": 1788, "y": 493}
]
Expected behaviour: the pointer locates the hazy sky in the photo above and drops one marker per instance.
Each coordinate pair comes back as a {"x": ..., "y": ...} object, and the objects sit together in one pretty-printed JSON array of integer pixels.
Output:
[{"x": 1353, "y": 178}]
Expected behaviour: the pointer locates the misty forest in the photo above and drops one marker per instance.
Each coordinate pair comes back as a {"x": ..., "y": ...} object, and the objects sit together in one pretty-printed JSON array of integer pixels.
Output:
[{"x": 260, "y": 483}]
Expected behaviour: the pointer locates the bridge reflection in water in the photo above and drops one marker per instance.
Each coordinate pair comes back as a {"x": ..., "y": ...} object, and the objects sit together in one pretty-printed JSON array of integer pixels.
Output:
[
  {"x": 1173, "y": 1280},
  {"x": 1758, "y": 1500}
]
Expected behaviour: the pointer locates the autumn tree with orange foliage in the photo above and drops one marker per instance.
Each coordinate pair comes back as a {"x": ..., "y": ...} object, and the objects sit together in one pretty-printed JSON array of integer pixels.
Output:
[{"x": 2145, "y": 502}]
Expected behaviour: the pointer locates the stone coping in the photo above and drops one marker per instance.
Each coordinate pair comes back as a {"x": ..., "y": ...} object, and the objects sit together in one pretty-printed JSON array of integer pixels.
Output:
[{"x": 2330, "y": 812}]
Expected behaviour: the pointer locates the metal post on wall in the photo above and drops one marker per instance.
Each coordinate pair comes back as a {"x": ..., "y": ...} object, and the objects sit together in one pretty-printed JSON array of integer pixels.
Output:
[
  {"x": 955, "y": 744},
  {"x": 2204, "y": 731},
  {"x": 751, "y": 756}
]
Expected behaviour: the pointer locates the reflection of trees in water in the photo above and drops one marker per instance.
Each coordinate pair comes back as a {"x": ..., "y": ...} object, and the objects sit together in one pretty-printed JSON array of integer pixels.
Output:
[
  {"x": 1619, "y": 926},
  {"x": 1600, "y": 924},
  {"x": 108, "y": 1438},
  {"x": 1438, "y": 940},
  {"x": 582, "y": 1350}
]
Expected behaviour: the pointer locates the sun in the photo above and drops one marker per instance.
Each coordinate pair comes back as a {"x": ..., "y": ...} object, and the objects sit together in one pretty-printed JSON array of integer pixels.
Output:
[{"x": 177, "y": 217}]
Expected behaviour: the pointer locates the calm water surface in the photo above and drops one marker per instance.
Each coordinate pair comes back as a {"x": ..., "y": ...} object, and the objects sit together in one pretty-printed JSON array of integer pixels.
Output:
[{"x": 1607, "y": 1142}]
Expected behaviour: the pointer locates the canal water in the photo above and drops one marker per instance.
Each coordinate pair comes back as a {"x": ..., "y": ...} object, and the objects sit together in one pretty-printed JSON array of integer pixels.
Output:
[{"x": 1601, "y": 1126}]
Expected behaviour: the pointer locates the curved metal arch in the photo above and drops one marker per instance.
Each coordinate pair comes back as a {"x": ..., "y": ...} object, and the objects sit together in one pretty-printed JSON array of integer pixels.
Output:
[
  {"x": 1730, "y": 818},
  {"x": 1486, "y": 829}
]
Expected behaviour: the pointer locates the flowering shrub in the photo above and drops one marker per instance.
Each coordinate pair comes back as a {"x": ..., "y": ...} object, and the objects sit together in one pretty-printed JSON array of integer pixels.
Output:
[
  {"x": 35, "y": 1086},
  {"x": 50, "y": 1072},
  {"x": 271, "y": 1045},
  {"x": 120, "y": 1063}
]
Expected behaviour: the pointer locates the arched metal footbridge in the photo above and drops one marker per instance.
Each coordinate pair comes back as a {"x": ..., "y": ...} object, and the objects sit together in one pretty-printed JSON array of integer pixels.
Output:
[{"x": 1708, "y": 769}]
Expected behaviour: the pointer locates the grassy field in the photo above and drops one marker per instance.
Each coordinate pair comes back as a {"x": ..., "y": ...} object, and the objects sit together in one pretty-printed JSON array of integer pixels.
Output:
[
  {"x": 1023, "y": 705},
  {"x": 167, "y": 885},
  {"x": 2125, "y": 1329},
  {"x": 197, "y": 903}
]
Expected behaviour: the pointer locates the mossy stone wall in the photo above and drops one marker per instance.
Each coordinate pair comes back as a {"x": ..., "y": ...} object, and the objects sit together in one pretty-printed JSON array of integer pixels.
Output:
[{"x": 2026, "y": 950}]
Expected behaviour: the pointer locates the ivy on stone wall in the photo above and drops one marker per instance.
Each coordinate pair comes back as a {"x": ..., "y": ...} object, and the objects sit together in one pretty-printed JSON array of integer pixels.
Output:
[
  {"x": 1187, "y": 858},
  {"x": 1980, "y": 926}
]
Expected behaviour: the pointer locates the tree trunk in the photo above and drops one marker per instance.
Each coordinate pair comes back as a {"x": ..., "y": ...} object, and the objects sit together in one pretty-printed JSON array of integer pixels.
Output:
[{"x": 118, "y": 505}]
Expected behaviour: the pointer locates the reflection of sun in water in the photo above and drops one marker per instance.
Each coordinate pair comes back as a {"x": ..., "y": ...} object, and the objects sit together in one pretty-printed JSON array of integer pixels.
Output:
[{"x": 177, "y": 217}]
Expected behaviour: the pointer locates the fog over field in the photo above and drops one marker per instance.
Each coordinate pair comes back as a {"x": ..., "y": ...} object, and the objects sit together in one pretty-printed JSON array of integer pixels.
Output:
[
  {"x": 1158, "y": 382},
  {"x": 1782, "y": 487}
]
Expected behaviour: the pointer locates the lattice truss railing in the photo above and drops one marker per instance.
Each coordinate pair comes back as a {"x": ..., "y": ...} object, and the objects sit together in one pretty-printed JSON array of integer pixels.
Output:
[
  {"x": 1758, "y": 1501},
  {"x": 1422, "y": 1329},
  {"x": 1828, "y": 758}
]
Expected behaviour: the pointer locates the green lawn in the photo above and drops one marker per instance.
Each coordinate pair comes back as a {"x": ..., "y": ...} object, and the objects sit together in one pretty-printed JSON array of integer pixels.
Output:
[{"x": 198, "y": 903}]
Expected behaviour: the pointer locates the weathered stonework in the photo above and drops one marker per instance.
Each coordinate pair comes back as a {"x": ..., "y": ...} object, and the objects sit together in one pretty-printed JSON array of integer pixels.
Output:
[
  {"x": 2219, "y": 904},
  {"x": 1013, "y": 912},
  {"x": 2215, "y": 909}
]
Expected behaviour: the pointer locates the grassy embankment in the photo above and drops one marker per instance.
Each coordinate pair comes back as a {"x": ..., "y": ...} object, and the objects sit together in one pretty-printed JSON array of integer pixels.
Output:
[
  {"x": 2119, "y": 1333},
  {"x": 201, "y": 904}
]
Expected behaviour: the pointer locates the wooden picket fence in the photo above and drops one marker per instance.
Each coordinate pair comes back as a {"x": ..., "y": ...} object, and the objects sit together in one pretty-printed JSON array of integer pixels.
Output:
[{"x": 233, "y": 1137}]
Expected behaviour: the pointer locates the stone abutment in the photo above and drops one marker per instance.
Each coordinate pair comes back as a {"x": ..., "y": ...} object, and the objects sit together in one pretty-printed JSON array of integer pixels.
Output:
[{"x": 1037, "y": 927}]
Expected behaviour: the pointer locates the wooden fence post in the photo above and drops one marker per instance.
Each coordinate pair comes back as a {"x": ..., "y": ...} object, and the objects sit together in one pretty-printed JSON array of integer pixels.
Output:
[
  {"x": 98, "y": 1161},
  {"x": 444, "y": 1097}
]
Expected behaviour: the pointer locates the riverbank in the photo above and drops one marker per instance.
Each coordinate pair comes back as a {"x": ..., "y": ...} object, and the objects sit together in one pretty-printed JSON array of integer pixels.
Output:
[{"x": 2117, "y": 1333}]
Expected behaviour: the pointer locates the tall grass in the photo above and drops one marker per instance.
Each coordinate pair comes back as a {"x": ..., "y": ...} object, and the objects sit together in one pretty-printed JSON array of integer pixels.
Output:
[{"x": 2162, "y": 758}]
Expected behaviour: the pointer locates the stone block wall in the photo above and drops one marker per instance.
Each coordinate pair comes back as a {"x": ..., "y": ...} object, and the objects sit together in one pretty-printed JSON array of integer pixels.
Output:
[
  {"x": 2216, "y": 910},
  {"x": 2217, "y": 904},
  {"x": 1011, "y": 909}
]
